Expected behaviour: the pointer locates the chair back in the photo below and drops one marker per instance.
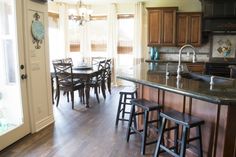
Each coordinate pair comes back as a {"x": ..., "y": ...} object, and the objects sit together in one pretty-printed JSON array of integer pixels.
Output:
[
  {"x": 68, "y": 60},
  {"x": 101, "y": 64},
  {"x": 98, "y": 77},
  {"x": 96, "y": 60},
  {"x": 64, "y": 74},
  {"x": 57, "y": 61},
  {"x": 107, "y": 70}
]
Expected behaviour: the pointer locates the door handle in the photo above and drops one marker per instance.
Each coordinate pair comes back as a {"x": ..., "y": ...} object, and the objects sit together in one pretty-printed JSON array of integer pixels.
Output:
[{"x": 23, "y": 76}]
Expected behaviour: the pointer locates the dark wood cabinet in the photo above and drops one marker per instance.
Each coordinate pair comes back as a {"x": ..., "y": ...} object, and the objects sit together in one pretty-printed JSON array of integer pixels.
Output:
[
  {"x": 219, "y": 8},
  {"x": 189, "y": 28},
  {"x": 162, "y": 26},
  {"x": 196, "y": 67},
  {"x": 218, "y": 69}
]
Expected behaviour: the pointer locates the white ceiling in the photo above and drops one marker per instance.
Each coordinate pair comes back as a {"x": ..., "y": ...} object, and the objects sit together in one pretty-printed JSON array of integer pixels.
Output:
[{"x": 100, "y": 1}]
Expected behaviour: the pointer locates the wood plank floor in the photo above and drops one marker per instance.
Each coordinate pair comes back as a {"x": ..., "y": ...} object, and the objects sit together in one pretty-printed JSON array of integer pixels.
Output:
[{"x": 81, "y": 133}]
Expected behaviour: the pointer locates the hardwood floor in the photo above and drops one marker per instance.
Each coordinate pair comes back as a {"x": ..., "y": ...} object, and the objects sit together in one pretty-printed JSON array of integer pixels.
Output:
[{"x": 81, "y": 133}]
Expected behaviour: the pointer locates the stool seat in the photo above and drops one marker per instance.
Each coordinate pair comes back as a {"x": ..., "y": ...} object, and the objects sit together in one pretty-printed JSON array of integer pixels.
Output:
[
  {"x": 145, "y": 104},
  {"x": 182, "y": 118},
  {"x": 128, "y": 90}
]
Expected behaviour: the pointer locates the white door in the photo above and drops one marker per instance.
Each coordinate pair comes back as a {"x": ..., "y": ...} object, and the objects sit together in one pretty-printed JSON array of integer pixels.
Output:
[{"x": 14, "y": 118}]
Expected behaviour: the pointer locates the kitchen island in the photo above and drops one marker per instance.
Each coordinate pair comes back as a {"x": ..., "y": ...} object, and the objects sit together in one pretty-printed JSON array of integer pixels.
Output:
[{"x": 193, "y": 94}]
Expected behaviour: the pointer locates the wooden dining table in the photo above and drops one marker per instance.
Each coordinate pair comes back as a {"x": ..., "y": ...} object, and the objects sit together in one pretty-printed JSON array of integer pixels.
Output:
[{"x": 85, "y": 73}]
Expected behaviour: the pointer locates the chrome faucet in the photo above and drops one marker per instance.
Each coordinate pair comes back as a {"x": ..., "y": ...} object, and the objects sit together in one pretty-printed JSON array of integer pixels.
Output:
[{"x": 180, "y": 52}]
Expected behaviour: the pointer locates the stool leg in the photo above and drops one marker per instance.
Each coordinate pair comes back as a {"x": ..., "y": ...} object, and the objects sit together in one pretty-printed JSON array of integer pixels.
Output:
[
  {"x": 135, "y": 121},
  {"x": 183, "y": 141},
  {"x": 124, "y": 105},
  {"x": 199, "y": 134},
  {"x": 118, "y": 110},
  {"x": 144, "y": 135},
  {"x": 160, "y": 137},
  {"x": 176, "y": 139},
  {"x": 130, "y": 122}
]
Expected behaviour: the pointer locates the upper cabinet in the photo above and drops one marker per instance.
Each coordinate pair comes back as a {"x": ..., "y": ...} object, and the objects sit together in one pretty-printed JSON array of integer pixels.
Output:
[
  {"x": 162, "y": 26},
  {"x": 219, "y": 15},
  {"x": 189, "y": 28},
  {"x": 219, "y": 8}
]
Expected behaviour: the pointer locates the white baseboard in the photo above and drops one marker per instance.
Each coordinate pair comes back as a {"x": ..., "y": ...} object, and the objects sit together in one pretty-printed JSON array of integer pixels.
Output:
[{"x": 44, "y": 122}]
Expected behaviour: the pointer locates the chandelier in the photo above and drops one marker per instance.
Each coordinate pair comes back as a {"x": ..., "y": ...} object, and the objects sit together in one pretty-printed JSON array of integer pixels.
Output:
[{"x": 82, "y": 14}]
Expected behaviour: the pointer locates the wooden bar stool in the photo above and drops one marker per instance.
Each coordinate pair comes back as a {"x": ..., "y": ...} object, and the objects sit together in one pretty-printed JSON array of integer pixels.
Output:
[
  {"x": 146, "y": 107},
  {"x": 126, "y": 95},
  {"x": 186, "y": 121}
]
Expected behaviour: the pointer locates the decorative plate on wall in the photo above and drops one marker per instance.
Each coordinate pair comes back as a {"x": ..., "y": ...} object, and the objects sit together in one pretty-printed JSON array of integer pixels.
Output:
[{"x": 37, "y": 30}]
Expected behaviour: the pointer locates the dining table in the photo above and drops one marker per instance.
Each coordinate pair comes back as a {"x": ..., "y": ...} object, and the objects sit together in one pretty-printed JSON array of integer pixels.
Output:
[{"x": 84, "y": 73}]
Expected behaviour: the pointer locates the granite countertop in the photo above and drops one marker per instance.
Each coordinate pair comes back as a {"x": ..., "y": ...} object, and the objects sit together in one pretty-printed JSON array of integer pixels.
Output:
[{"x": 223, "y": 91}]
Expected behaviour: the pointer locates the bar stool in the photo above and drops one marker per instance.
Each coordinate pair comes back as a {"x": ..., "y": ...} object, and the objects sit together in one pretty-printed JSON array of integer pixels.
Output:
[
  {"x": 126, "y": 95},
  {"x": 186, "y": 121},
  {"x": 146, "y": 107}
]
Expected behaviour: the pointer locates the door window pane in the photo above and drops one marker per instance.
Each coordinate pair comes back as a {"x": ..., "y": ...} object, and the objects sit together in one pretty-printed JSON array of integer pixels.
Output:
[{"x": 11, "y": 115}]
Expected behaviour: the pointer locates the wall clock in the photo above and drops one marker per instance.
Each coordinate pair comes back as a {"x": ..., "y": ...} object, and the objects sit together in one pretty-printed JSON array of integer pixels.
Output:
[{"x": 37, "y": 31}]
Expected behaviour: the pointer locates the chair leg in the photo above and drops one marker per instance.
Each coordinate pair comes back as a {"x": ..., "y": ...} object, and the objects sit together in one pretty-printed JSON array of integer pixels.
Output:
[
  {"x": 124, "y": 106},
  {"x": 118, "y": 110},
  {"x": 96, "y": 92},
  {"x": 103, "y": 90},
  {"x": 176, "y": 139},
  {"x": 58, "y": 97},
  {"x": 199, "y": 134},
  {"x": 183, "y": 141},
  {"x": 160, "y": 138},
  {"x": 130, "y": 122},
  {"x": 144, "y": 135},
  {"x": 80, "y": 95},
  {"x": 109, "y": 84},
  {"x": 72, "y": 99},
  {"x": 83, "y": 95},
  {"x": 67, "y": 94}
]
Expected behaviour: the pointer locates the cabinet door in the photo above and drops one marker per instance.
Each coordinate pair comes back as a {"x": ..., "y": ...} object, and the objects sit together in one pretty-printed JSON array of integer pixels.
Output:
[
  {"x": 195, "y": 29},
  {"x": 182, "y": 29},
  {"x": 154, "y": 27},
  {"x": 169, "y": 27},
  {"x": 189, "y": 28},
  {"x": 162, "y": 26}
]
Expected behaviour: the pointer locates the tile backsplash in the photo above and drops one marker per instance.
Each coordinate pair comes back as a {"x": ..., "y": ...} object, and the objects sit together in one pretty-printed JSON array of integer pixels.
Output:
[{"x": 172, "y": 53}]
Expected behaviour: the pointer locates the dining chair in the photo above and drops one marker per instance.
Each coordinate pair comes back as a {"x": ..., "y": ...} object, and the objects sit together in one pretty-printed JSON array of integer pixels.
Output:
[
  {"x": 107, "y": 74},
  {"x": 66, "y": 82},
  {"x": 101, "y": 66},
  {"x": 96, "y": 83},
  {"x": 53, "y": 76}
]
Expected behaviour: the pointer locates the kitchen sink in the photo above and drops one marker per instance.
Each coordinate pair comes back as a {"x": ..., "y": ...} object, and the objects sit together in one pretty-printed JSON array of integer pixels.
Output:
[{"x": 217, "y": 80}]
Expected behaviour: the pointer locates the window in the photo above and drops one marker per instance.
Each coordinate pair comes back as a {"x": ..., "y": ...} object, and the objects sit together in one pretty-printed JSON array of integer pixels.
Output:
[
  {"x": 56, "y": 43},
  {"x": 98, "y": 33},
  {"x": 74, "y": 36},
  {"x": 7, "y": 43},
  {"x": 125, "y": 40},
  {"x": 125, "y": 33}
]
